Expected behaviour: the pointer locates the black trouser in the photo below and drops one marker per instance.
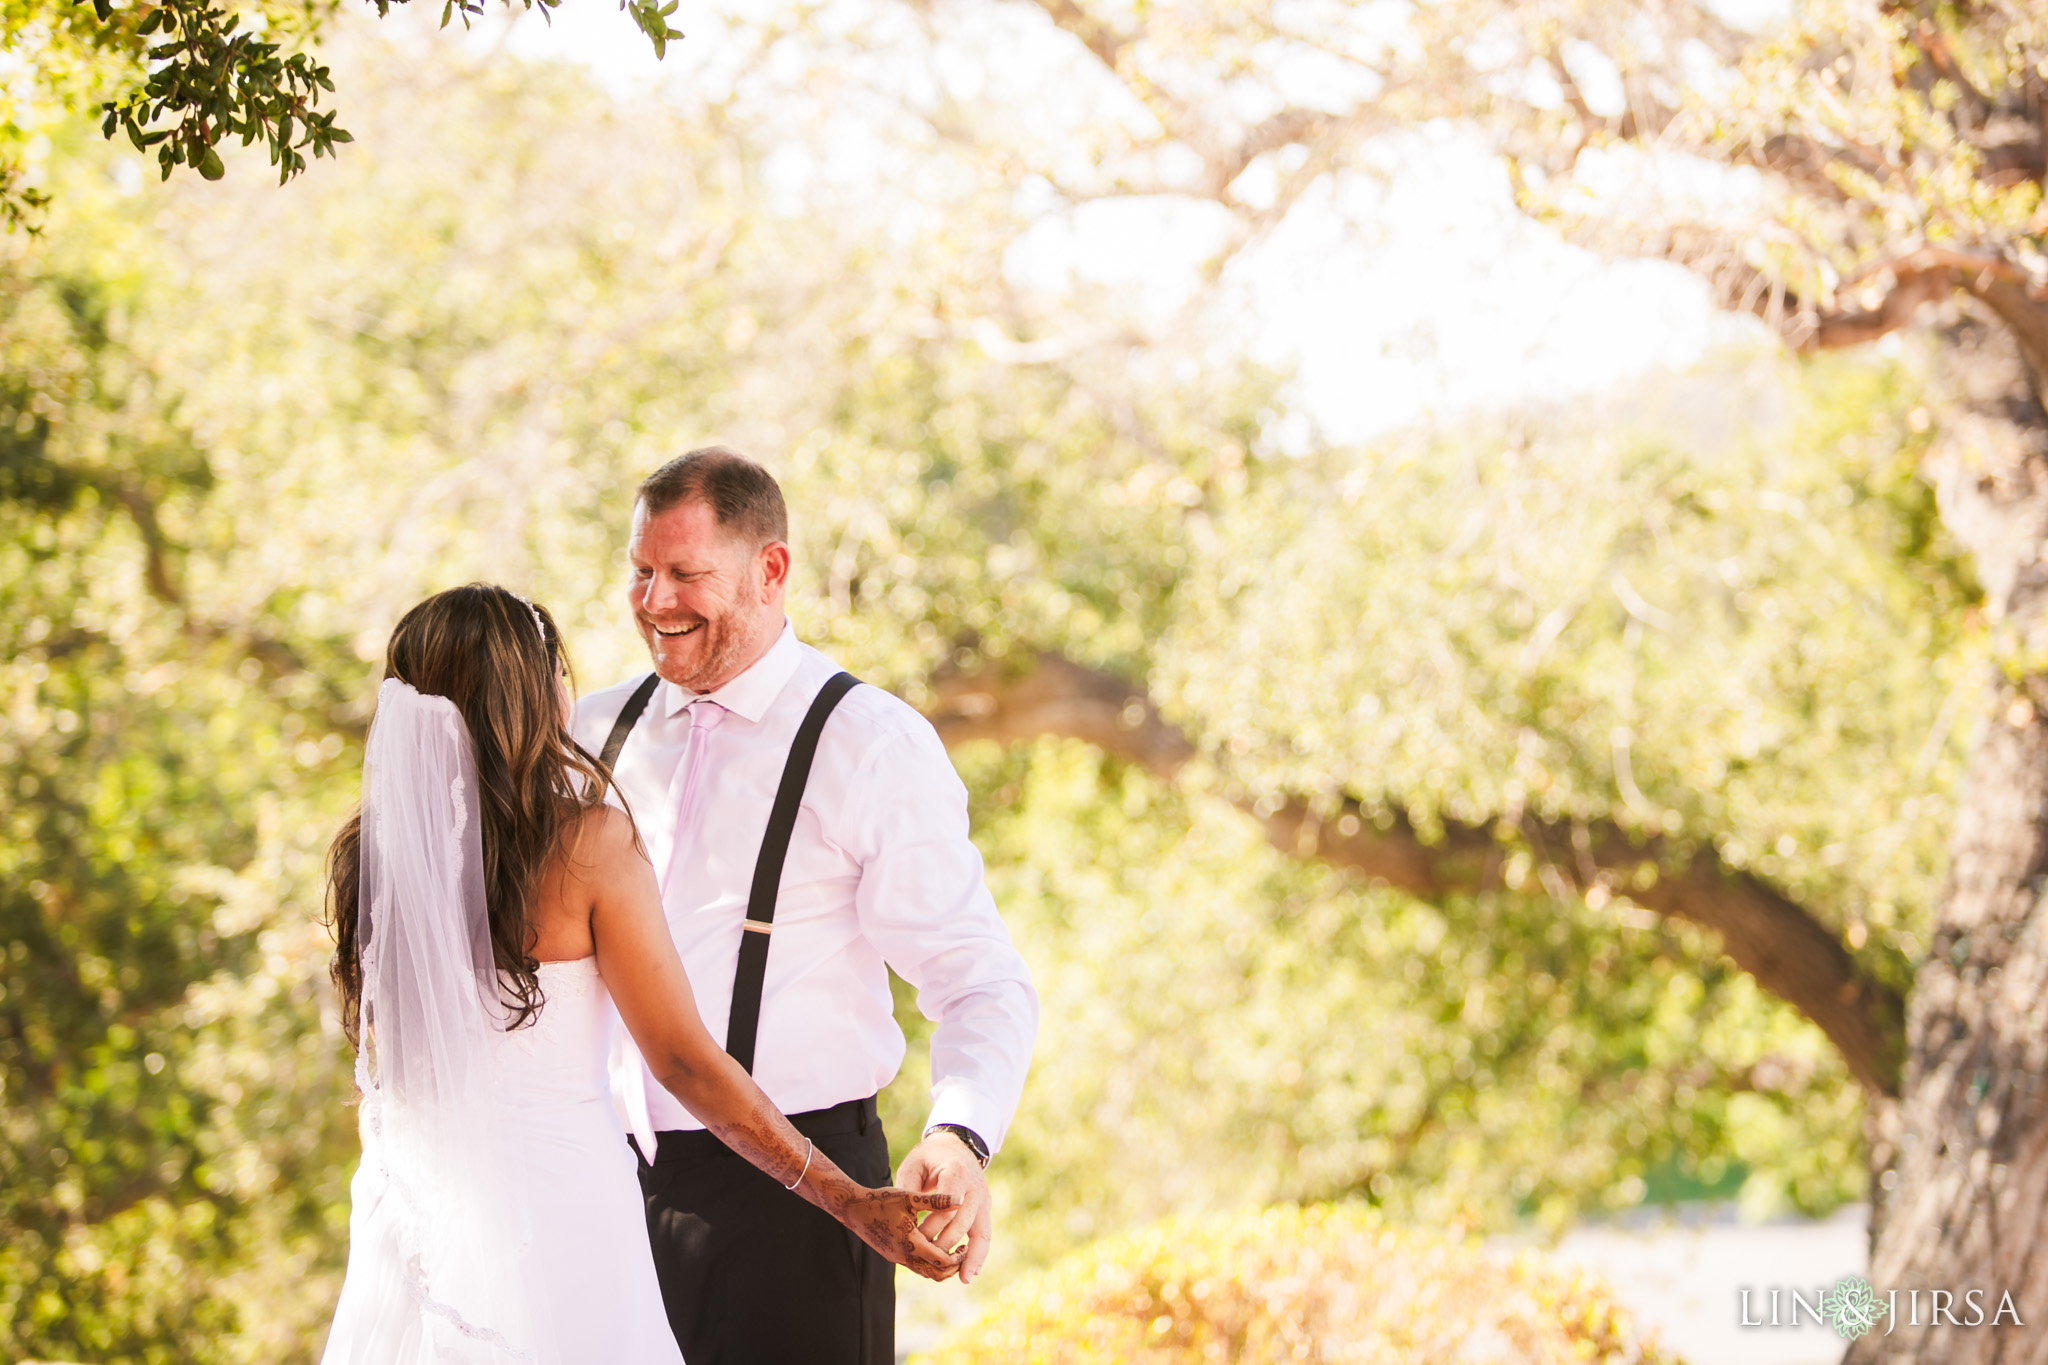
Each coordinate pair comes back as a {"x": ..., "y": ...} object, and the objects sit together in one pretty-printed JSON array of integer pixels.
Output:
[{"x": 752, "y": 1274}]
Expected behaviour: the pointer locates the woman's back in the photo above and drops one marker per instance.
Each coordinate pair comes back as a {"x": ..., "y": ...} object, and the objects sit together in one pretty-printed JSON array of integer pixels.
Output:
[
  {"x": 565, "y": 890},
  {"x": 558, "y": 1059},
  {"x": 586, "y": 1237},
  {"x": 581, "y": 1189}
]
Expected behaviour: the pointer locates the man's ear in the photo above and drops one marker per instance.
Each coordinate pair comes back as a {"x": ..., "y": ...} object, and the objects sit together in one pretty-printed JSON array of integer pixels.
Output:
[{"x": 774, "y": 569}]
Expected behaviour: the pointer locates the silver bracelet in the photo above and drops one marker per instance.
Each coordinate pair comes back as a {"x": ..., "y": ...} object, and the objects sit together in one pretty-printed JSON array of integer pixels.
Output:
[{"x": 809, "y": 1148}]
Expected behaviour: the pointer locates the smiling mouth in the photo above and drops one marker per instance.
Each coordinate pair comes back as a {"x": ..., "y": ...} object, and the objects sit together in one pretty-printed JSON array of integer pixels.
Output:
[{"x": 679, "y": 632}]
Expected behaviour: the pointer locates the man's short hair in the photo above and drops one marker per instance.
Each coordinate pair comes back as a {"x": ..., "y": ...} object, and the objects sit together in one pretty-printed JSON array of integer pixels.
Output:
[{"x": 744, "y": 498}]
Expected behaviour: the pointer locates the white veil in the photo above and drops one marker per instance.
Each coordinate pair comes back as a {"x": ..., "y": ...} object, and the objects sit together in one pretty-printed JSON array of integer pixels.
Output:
[{"x": 433, "y": 1025}]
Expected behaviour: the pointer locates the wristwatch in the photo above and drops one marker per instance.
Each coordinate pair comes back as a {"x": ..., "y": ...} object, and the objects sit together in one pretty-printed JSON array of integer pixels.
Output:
[{"x": 966, "y": 1135}]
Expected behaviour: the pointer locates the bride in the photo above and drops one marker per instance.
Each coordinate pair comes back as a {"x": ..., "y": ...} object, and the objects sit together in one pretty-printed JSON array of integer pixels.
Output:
[{"x": 490, "y": 911}]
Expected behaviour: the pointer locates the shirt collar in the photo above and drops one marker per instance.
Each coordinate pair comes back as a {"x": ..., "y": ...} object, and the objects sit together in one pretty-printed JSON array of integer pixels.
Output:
[{"x": 749, "y": 694}]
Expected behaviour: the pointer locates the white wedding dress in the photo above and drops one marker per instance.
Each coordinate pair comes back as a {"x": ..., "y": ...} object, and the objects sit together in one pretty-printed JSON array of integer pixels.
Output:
[
  {"x": 496, "y": 1218},
  {"x": 575, "y": 1175}
]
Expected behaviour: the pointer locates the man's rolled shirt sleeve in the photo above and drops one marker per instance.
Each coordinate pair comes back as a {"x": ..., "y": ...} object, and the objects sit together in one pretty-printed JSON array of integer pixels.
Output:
[{"x": 924, "y": 903}]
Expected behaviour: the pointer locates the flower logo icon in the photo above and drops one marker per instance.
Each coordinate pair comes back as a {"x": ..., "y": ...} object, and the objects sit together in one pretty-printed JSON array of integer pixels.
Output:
[{"x": 1853, "y": 1307}]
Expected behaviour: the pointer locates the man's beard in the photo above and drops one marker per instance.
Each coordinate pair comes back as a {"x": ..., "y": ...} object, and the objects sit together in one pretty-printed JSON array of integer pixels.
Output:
[{"x": 728, "y": 637}]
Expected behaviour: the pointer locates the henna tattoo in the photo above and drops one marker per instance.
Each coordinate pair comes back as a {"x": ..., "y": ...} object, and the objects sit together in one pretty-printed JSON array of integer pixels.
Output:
[
  {"x": 886, "y": 1219},
  {"x": 768, "y": 1144}
]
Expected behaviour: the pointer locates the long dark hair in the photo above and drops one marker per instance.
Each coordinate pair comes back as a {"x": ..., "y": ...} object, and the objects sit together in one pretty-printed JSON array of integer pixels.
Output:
[{"x": 478, "y": 647}]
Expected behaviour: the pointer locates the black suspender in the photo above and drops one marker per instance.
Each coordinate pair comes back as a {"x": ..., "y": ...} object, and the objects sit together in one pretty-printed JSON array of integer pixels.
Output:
[
  {"x": 745, "y": 1021},
  {"x": 743, "y": 1026},
  {"x": 629, "y": 716}
]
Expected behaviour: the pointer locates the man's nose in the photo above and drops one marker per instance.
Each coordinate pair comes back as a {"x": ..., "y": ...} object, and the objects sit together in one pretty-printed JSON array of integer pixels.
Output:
[
  {"x": 658, "y": 596},
  {"x": 662, "y": 596}
]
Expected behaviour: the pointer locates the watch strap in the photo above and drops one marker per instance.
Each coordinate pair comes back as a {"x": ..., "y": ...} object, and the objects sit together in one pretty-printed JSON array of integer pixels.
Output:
[{"x": 966, "y": 1135}]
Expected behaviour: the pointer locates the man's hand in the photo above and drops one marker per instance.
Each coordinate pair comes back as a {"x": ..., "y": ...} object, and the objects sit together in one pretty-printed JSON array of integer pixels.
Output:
[{"x": 943, "y": 1164}]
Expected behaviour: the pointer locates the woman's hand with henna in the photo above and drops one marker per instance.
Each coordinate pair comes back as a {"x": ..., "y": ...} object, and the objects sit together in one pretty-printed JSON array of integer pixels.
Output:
[{"x": 886, "y": 1219}]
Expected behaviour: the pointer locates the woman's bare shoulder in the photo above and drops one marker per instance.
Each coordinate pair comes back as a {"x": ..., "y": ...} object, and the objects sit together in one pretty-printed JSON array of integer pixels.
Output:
[
  {"x": 599, "y": 839},
  {"x": 607, "y": 822}
]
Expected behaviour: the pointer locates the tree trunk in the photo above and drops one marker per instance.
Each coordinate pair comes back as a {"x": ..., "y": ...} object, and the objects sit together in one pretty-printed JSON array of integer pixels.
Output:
[{"x": 1961, "y": 1169}]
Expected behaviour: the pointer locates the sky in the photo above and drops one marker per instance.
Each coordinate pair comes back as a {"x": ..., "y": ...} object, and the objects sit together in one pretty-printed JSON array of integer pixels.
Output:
[{"x": 1409, "y": 292}]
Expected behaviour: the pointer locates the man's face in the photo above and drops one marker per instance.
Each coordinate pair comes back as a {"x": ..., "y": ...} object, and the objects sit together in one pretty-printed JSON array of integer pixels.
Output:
[{"x": 708, "y": 604}]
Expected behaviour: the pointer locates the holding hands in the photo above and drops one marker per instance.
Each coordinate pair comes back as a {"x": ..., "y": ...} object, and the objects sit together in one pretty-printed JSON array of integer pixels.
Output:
[
  {"x": 944, "y": 1165},
  {"x": 886, "y": 1219}
]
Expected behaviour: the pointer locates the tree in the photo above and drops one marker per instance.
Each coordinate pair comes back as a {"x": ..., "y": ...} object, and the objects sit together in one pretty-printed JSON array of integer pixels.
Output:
[
  {"x": 151, "y": 1024},
  {"x": 178, "y": 79},
  {"x": 451, "y": 355},
  {"x": 183, "y": 77},
  {"x": 1897, "y": 159}
]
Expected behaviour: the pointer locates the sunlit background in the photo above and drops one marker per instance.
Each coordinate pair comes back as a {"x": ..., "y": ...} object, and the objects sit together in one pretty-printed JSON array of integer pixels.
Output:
[{"x": 1366, "y": 479}]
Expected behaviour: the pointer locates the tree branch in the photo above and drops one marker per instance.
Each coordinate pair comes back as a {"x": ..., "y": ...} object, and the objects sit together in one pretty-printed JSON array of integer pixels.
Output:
[
  {"x": 1764, "y": 932},
  {"x": 1053, "y": 695},
  {"x": 1973, "y": 108},
  {"x": 1224, "y": 156},
  {"x": 2024, "y": 311},
  {"x": 1286, "y": 128},
  {"x": 1641, "y": 119},
  {"x": 1773, "y": 938},
  {"x": 1107, "y": 45},
  {"x": 1912, "y": 288},
  {"x": 275, "y": 657},
  {"x": 2008, "y": 135},
  {"x": 1804, "y": 164},
  {"x": 1914, "y": 280}
]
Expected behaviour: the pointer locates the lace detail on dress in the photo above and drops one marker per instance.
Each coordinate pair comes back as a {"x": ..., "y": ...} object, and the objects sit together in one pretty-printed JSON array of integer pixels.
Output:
[
  {"x": 573, "y": 978},
  {"x": 416, "y": 1281},
  {"x": 564, "y": 985},
  {"x": 456, "y": 788}
]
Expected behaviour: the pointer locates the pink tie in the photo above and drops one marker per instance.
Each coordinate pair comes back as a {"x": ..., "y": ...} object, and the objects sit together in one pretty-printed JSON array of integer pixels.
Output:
[
  {"x": 705, "y": 717},
  {"x": 629, "y": 1072}
]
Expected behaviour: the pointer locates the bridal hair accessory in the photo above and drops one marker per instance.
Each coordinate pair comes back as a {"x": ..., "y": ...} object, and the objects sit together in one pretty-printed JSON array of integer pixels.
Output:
[
  {"x": 436, "y": 1129},
  {"x": 810, "y": 1149},
  {"x": 537, "y": 624}
]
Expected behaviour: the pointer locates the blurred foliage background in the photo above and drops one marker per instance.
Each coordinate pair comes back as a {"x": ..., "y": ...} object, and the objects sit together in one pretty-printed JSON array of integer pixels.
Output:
[
  {"x": 1284, "y": 1284},
  {"x": 243, "y": 427}
]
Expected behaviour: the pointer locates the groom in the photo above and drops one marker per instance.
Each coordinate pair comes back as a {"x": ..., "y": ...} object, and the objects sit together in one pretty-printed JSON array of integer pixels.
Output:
[{"x": 878, "y": 870}]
